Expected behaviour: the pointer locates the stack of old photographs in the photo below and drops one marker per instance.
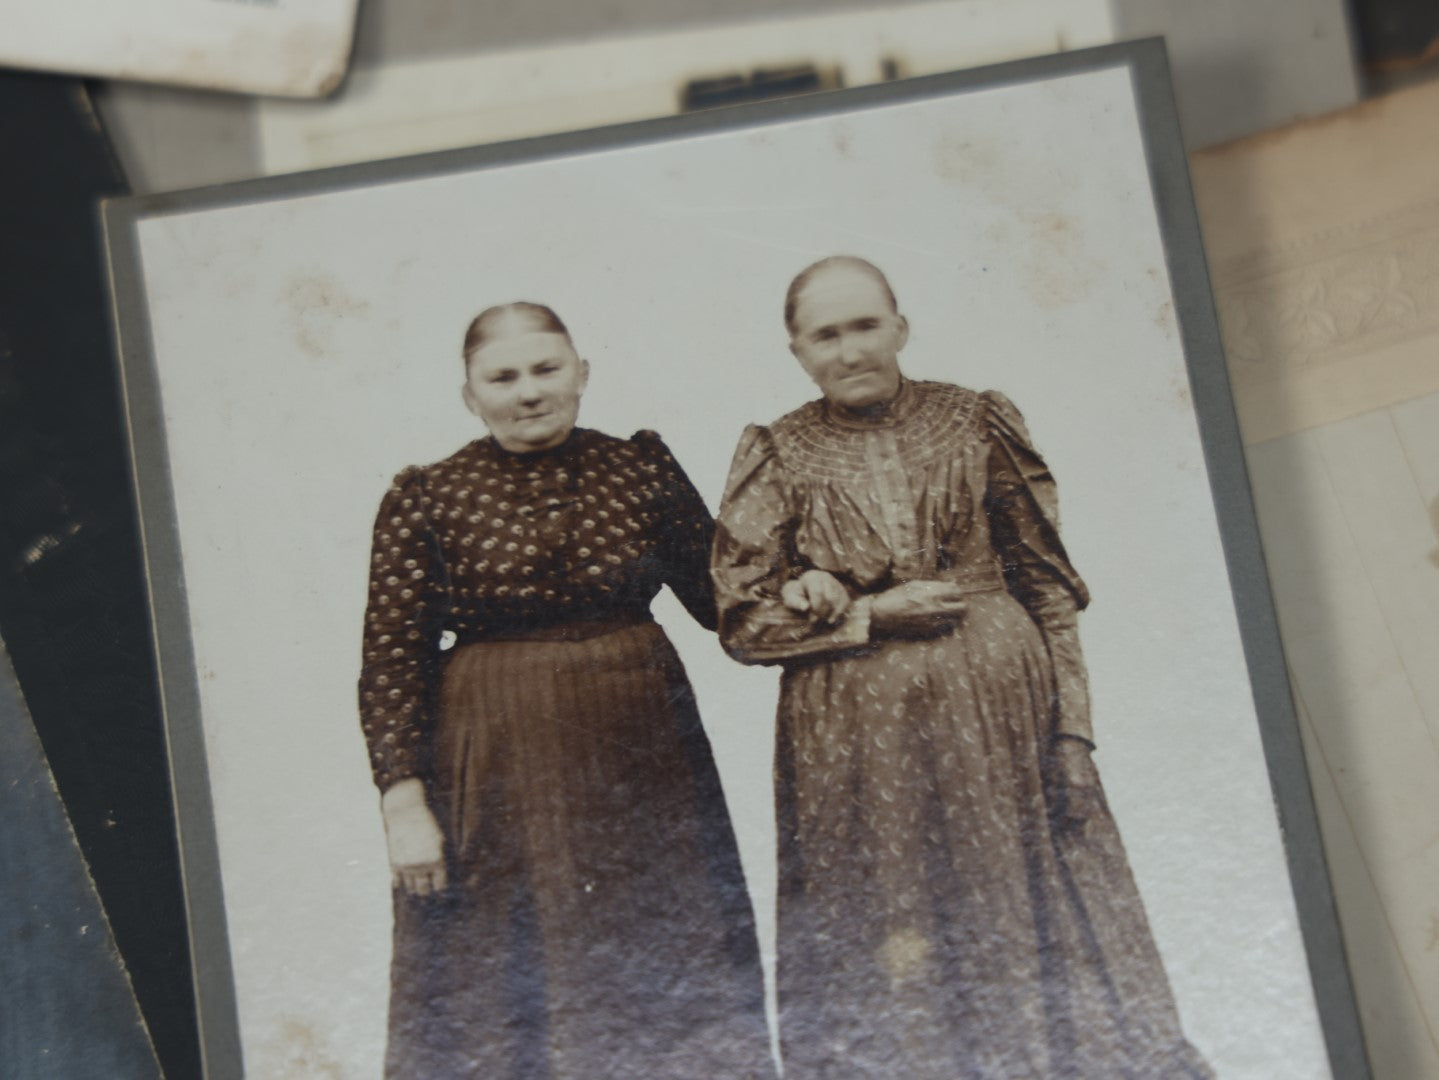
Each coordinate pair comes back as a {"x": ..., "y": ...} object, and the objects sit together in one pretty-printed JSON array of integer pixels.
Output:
[{"x": 991, "y": 768}]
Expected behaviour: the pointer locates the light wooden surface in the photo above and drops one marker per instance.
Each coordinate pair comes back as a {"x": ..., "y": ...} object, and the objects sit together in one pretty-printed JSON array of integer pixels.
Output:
[
  {"x": 1349, "y": 537},
  {"x": 1324, "y": 247}
]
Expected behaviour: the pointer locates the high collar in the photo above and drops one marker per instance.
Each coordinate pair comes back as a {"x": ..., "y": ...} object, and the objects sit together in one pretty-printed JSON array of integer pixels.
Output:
[
  {"x": 896, "y": 409},
  {"x": 572, "y": 440}
]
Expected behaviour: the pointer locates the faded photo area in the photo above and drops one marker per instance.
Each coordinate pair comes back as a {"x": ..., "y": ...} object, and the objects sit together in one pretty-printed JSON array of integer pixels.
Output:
[{"x": 965, "y": 563}]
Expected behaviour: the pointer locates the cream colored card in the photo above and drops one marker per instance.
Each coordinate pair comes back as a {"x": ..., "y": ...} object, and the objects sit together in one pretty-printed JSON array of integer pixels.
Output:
[
  {"x": 1016, "y": 220},
  {"x": 284, "y": 47}
]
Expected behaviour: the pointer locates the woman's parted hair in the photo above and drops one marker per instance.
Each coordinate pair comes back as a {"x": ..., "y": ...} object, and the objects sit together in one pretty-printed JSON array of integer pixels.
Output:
[{"x": 532, "y": 316}]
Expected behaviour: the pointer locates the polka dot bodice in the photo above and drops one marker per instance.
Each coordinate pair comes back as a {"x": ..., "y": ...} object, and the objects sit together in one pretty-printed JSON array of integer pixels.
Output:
[{"x": 492, "y": 544}]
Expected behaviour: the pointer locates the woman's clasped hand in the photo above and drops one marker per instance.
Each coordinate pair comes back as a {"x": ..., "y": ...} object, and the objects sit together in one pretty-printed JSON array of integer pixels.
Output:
[{"x": 910, "y": 609}]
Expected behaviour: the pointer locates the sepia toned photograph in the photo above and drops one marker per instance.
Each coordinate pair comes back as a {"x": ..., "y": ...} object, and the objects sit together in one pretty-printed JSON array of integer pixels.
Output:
[{"x": 733, "y": 596}]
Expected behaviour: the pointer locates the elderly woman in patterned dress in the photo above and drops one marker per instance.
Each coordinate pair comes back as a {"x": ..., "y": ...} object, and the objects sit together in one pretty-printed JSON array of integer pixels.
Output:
[
  {"x": 568, "y": 896},
  {"x": 954, "y": 900}
]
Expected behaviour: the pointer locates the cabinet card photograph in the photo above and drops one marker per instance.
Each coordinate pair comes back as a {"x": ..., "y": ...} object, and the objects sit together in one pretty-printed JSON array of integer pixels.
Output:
[{"x": 771, "y": 586}]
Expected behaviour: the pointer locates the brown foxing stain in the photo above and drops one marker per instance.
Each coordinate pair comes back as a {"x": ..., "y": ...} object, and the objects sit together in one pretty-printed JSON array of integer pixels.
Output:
[
  {"x": 971, "y": 162},
  {"x": 1049, "y": 248},
  {"x": 843, "y": 140},
  {"x": 1058, "y": 271},
  {"x": 302, "y": 1056},
  {"x": 1053, "y": 225},
  {"x": 316, "y": 305},
  {"x": 1164, "y": 318},
  {"x": 905, "y": 955}
]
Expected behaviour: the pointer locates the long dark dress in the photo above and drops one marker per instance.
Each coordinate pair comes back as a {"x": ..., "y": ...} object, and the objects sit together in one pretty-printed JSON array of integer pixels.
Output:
[
  {"x": 597, "y": 922},
  {"x": 934, "y": 922}
]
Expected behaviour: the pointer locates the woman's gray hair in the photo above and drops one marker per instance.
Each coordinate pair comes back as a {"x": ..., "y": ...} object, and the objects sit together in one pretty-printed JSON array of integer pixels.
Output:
[
  {"x": 854, "y": 262},
  {"x": 533, "y": 316}
]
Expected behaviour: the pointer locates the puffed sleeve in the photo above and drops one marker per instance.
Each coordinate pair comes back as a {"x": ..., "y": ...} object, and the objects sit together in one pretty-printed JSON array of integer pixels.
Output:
[
  {"x": 407, "y": 601},
  {"x": 754, "y": 555},
  {"x": 1023, "y": 507},
  {"x": 687, "y": 533}
]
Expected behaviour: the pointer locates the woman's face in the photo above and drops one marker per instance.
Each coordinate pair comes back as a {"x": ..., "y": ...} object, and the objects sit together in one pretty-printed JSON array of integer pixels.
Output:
[
  {"x": 847, "y": 337},
  {"x": 526, "y": 385}
]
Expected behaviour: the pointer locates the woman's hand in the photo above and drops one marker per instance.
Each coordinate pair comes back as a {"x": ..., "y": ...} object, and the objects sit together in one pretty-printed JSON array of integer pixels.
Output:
[
  {"x": 417, "y": 847},
  {"x": 1071, "y": 783},
  {"x": 917, "y": 609},
  {"x": 818, "y": 594}
]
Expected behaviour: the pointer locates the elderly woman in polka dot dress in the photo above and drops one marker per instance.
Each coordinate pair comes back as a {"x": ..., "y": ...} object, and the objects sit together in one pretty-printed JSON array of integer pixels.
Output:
[
  {"x": 568, "y": 895},
  {"x": 954, "y": 900}
]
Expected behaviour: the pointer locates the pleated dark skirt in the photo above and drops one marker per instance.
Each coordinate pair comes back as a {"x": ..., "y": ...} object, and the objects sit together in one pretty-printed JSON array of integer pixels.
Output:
[{"x": 597, "y": 924}]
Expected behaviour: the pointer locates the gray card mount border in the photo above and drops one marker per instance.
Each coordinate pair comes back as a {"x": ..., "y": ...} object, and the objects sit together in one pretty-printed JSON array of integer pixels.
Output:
[{"x": 1209, "y": 383}]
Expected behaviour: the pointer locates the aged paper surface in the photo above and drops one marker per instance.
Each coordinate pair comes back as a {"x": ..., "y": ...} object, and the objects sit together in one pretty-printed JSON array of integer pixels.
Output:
[
  {"x": 1323, "y": 241},
  {"x": 281, "y": 47}
]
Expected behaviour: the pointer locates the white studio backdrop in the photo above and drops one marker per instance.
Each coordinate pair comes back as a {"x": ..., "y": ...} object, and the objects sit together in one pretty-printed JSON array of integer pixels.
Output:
[{"x": 308, "y": 349}]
